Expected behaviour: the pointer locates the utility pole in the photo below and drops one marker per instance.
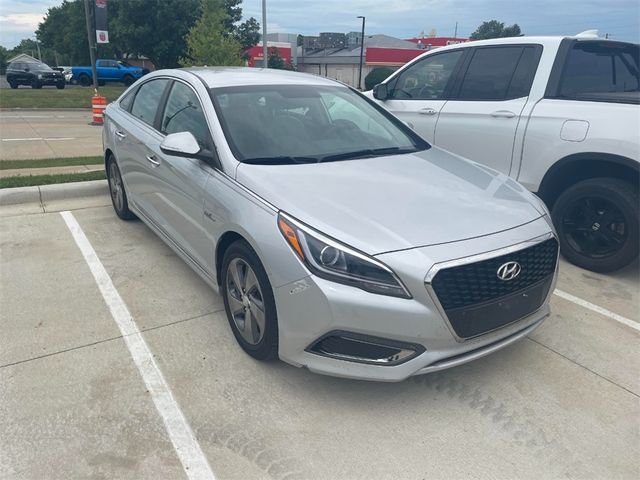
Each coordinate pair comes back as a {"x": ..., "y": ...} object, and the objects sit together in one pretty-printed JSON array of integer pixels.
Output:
[
  {"x": 361, "y": 53},
  {"x": 265, "y": 49},
  {"x": 455, "y": 35},
  {"x": 92, "y": 45},
  {"x": 38, "y": 45}
]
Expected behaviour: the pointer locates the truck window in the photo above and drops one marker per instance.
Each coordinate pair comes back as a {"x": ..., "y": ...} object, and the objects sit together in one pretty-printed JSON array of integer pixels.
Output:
[
  {"x": 426, "y": 79},
  {"x": 594, "y": 68},
  {"x": 489, "y": 73},
  {"x": 525, "y": 72},
  {"x": 145, "y": 105}
]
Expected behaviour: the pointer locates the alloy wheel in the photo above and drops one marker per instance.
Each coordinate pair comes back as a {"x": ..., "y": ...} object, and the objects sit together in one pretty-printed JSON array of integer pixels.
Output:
[
  {"x": 115, "y": 186},
  {"x": 246, "y": 301},
  {"x": 595, "y": 227}
]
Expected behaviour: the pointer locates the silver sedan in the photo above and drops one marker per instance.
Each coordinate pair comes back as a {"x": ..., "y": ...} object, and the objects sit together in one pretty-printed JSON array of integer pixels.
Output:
[{"x": 339, "y": 239}]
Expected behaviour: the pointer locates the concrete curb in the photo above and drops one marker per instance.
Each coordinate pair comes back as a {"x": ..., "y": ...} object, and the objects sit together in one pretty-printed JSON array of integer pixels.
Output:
[{"x": 48, "y": 193}]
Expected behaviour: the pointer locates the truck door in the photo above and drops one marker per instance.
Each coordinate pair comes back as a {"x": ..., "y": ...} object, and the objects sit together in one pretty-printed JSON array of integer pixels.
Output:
[
  {"x": 480, "y": 120},
  {"x": 418, "y": 93}
]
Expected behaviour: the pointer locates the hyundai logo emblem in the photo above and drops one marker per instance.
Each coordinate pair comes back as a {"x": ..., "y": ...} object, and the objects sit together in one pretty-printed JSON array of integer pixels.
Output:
[{"x": 509, "y": 271}]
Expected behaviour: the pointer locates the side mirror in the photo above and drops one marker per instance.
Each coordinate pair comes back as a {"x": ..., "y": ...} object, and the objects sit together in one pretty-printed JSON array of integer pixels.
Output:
[
  {"x": 26, "y": 69},
  {"x": 380, "y": 91},
  {"x": 181, "y": 144}
]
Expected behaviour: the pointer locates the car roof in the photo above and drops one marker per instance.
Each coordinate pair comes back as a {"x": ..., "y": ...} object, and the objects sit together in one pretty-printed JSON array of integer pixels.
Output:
[{"x": 236, "y": 76}]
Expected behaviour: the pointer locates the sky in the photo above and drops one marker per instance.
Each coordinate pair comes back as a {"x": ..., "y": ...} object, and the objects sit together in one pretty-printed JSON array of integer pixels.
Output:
[{"x": 399, "y": 18}]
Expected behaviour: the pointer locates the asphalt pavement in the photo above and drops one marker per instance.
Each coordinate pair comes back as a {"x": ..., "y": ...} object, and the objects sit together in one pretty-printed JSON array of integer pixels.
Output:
[
  {"x": 31, "y": 134},
  {"x": 76, "y": 402}
]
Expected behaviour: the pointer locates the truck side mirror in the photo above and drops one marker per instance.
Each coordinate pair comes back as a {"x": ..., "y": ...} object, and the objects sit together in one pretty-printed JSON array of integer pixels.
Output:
[{"x": 380, "y": 91}]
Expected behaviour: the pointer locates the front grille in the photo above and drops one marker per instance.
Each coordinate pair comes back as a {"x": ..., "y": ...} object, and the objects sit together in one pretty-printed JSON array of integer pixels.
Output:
[{"x": 471, "y": 293}]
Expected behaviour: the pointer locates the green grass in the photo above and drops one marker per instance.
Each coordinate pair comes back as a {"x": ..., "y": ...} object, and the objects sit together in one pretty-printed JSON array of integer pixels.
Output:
[
  {"x": 50, "y": 162},
  {"x": 30, "y": 180},
  {"x": 49, "y": 97}
]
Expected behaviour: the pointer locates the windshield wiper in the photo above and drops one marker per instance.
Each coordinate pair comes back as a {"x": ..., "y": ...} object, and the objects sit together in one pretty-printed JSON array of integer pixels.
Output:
[
  {"x": 281, "y": 160},
  {"x": 369, "y": 152}
]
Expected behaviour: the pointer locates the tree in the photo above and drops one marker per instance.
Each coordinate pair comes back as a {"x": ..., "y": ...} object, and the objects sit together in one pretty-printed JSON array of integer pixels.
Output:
[
  {"x": 495, "y": 29},
  {"x": 248, "y": 33},
  {"x": 276, "y": 61},
  {"x": 63, "y": 30},
  {"x": 4, "y": 56},
  {"x": 234, "y": 15},
  {"x": 207, "y": 42},
  {"x": 153, "y": 28}
]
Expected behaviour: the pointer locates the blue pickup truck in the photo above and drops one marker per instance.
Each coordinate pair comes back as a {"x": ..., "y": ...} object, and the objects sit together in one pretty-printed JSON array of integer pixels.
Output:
[{"x": 108, "y": 71}]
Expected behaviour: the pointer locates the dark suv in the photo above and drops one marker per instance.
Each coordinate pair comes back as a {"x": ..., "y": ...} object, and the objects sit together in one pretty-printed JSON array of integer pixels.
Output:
[{"x": 34, "y": 74}]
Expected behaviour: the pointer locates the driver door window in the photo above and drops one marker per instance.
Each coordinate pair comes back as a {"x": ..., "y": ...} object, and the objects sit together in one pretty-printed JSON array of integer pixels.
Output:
[
  {"x": 183, "y": 113},
  {"x": 420, "y": 91},
  {"x": 428, "y": 78}
]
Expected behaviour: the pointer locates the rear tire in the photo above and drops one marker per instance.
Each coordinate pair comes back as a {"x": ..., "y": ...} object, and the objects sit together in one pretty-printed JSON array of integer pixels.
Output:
[
  {"x": 13, "y": 85},
  {"x": 598, "y": 224},
  {"x": 249, "y": 302},
  {"x": 117, "y": 190}
]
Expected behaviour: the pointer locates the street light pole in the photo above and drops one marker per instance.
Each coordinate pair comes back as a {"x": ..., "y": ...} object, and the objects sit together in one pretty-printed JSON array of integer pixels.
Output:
[
  {"x": 361, "y": 53},
  {"x": 265, "y": 49}
]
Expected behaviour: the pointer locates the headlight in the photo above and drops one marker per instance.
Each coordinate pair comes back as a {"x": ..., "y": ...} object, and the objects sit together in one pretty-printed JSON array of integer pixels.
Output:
[{"x": 334, "y": 261}]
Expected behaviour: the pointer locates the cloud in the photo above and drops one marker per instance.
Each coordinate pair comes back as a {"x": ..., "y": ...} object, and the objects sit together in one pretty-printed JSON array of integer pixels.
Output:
[{"x": 21, "y": 21}]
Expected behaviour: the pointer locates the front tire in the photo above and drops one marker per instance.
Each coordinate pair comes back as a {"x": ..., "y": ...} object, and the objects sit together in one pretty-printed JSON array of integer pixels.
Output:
[
  {"x": 13, "y": 85},
  {"x": 117, "y": 191},
  {"x": 597, "y": 222},
  {"x": 249, "y": 302},
  {"x": 60, "y": 86}
]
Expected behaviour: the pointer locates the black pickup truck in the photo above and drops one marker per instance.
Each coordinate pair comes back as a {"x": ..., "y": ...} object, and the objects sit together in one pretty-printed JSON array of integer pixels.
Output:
[{"x": 35, "y": 74}]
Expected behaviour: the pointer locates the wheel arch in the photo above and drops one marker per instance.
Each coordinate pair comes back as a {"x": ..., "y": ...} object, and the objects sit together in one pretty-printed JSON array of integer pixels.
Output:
[{"x": 582, "y": 166}]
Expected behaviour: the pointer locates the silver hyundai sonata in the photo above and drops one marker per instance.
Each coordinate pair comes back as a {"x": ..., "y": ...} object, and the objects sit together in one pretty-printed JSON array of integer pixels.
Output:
[{"x": 339, "y": 240}]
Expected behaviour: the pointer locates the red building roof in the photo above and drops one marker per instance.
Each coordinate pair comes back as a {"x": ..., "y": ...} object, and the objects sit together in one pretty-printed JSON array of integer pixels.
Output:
[
  {"x": 392, "y": 57},
  {"x": 438, "y": 41}
]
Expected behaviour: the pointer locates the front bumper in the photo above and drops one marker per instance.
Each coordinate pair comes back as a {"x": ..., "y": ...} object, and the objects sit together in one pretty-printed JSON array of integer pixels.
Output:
[{"x": 312, "y": 308}]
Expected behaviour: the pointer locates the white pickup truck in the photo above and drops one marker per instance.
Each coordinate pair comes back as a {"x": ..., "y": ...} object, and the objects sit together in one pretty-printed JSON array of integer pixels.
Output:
[{"x": 559, "y": 114}]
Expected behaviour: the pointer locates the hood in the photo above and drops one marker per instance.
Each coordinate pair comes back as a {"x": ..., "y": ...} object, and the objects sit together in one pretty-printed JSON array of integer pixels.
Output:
[{"x": 394, "y": 202}]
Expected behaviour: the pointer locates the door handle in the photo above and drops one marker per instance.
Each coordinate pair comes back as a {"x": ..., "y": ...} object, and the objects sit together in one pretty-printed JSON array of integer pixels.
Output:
[
  {"x": 427, "y": 111},
  {"x": 503, "y": 114},
  {"x": 151, "y": 159},
  {"x": 119, "y": 134}
]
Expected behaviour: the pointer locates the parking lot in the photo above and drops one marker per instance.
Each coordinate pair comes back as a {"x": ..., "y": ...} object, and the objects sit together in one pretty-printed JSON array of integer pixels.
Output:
[{"x": 74, "y": 402}]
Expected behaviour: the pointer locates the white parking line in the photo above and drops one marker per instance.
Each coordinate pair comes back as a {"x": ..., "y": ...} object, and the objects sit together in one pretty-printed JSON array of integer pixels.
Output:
[
  {"x": 184, "y": 442},
  {"x": 595, "y": 308},
  {"x": 36, "y": 138}
]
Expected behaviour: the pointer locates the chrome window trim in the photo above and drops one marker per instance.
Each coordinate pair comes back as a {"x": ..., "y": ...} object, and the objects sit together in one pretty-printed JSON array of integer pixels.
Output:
[{"x": 433, "y": 271}]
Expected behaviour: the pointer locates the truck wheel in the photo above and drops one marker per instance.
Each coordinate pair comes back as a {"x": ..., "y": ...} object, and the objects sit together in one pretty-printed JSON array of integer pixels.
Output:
[
  {"x": 60, "y": 86},
  {"x": 84, "y": 80},
  {"x": 597, "y": 222},
  {"x": 13, "y": 85},
  {"x": 128, "y": 80}
]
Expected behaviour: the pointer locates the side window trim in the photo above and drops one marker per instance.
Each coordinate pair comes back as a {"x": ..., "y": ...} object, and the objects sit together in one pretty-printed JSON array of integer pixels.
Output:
[
  {"x": 157, "y": 121},
  {"x": 135, "y": 94},
  {"x": 446, "y": 95}
]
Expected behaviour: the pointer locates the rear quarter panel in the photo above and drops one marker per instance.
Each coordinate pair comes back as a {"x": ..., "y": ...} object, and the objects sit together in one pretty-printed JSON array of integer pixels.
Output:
[{"x": 558, "y": 128}]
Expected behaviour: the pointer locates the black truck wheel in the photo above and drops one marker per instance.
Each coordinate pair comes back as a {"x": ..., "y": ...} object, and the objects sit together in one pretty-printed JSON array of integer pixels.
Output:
[{"x": 597, "y": 222}]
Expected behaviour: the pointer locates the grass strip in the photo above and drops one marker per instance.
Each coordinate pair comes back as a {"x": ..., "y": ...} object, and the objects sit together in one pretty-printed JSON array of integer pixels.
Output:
[
  {"x": 79, "y": 97},
  {"x": 30, "y": 180},
  {"x": 49, "y": 162}
]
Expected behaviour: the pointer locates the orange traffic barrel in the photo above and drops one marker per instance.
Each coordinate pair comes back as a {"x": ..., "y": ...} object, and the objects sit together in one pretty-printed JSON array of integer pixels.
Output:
[{"x": 98, "y": 104}]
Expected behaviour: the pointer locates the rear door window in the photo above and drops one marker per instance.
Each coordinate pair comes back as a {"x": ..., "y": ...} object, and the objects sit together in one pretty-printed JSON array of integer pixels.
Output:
[
  {"x": 489, "y": 73},
  {"x": 145, "y": 105},
  {"x": 594, "y": 68}
]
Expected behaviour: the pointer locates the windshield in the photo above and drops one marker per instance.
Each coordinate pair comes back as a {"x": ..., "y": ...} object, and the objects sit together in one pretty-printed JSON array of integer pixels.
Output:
[
  {"x": 41, "y": 67},
  {"x": 307, "y": 123}
]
